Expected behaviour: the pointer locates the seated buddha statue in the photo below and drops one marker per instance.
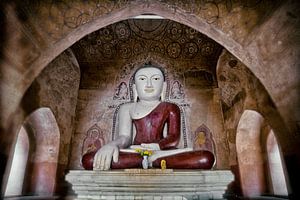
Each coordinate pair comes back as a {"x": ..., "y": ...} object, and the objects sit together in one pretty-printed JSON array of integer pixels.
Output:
[{"x": 148, "y": 114}]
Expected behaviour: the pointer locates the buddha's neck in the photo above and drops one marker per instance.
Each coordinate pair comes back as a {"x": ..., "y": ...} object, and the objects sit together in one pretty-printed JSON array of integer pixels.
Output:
[
  {"x": 143, "y": 108},
  {"x": 149, "y": 103}
]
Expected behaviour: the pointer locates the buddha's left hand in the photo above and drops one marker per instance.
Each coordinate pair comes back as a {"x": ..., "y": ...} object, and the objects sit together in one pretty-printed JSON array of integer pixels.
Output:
[{"x": 151, "y": 146}]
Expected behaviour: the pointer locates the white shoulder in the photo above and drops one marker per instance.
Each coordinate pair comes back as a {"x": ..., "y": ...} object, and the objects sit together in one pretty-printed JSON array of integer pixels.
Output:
[{"x": 126, "y": 108}]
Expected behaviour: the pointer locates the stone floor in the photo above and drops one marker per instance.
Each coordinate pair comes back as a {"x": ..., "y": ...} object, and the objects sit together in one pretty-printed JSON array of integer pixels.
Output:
[{"x": 73, "y": 197}]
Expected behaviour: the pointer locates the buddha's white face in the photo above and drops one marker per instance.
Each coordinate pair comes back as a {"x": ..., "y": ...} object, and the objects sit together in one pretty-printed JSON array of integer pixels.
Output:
[{"x": 149, "y": 83}]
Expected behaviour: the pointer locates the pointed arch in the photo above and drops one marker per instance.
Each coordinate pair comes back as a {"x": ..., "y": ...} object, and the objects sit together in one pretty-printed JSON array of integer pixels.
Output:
[
  {"x": 276, "y": 166},
  {"x": 35, "y": 156},
  {"x": 20, "y": 158},
  {"x": 44, "y": 137},
  {"x": 250, "y": 159}
]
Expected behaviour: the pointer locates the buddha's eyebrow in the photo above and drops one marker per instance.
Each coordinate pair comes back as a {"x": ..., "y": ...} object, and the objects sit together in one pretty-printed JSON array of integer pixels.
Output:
[{"x": 156, "y": 75}]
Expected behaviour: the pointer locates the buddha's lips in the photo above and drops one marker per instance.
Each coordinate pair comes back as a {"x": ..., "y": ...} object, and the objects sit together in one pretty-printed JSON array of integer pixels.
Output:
[{"x": 149, "y": 90}]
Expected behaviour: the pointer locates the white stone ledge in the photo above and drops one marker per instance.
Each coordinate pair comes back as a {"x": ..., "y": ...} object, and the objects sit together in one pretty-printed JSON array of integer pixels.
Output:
[{"x": 150, "y": 184}]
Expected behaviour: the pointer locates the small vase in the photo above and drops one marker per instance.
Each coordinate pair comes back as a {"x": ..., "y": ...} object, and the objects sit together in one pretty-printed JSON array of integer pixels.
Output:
[{"x": 145, "y": 162}]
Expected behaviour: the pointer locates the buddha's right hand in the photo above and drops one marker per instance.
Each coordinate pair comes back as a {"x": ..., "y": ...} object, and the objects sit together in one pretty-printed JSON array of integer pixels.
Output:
[{"x": 104, "y": 156}]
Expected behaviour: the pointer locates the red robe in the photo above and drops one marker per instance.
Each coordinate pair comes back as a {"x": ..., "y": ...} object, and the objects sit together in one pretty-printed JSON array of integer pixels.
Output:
[{"x": 149, "y": 129}]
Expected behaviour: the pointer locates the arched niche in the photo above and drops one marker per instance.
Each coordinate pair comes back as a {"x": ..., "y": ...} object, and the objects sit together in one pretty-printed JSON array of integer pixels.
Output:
[
  {"x": 241, "y": 90},
  {"x": 35, "y": 156},
  {"x": 259, "y": 158},
  {"x": 20, "y": 158},
  {"x": 44, "y": 141},
  {"x": 249, "y": 154},
  {"x": 278, "y": 183}
]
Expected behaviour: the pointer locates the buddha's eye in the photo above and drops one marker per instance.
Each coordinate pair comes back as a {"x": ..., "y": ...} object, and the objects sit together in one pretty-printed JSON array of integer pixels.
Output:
[
  {"x": 156, "y": 78},
  {"x": 142, "y": 78}
]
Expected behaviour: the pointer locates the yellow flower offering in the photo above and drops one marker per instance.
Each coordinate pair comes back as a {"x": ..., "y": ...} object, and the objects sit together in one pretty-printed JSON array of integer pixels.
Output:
[
  {"x": 138, "y": 150},
  {"x": 144, "y": 152},
  {"x": 163, "y": 164}
]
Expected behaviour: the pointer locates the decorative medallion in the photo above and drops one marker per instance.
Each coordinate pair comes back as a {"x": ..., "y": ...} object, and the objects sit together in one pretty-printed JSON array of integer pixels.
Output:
[
  {"x": 122, "y": 31},
  {"x": 207, "y": 49},
  {"x": 190, "y": 33},
  {"x": 106, "y": 34},
  {"x": 108, "y": 50},
  {"x": 174, "y": 31},
  {"x": 124, "y": 50},
  {"x": 157, "y": 47},
  {"x": 174, "y": 50},
  {"x": 138, "y": 48},
  {"x": 190, "y": 49}
]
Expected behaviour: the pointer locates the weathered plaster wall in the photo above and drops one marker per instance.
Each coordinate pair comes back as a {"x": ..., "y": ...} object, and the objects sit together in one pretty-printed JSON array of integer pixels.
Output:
[
  {"x": 268, "y": 44},
  {"x": 278, "y": 46}
]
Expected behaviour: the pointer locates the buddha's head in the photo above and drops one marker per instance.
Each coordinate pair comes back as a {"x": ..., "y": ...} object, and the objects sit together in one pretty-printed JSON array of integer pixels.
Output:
[{"x": 149, "y": 83}]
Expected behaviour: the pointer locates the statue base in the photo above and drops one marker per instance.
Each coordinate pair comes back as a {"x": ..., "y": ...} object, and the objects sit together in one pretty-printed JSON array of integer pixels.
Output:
[
  {"x": 149, "y": 184},
  {"x": 147, "y": 171}
]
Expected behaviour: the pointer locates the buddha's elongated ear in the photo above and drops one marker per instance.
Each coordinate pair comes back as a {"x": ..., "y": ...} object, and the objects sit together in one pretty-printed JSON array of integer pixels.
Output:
[
  {"x": 134, "y": 92},
  {"x": 163, "y": 92}
]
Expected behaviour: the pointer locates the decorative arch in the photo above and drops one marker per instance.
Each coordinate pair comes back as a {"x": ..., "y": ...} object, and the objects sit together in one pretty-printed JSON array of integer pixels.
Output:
[{"x": 199, "y": 24}]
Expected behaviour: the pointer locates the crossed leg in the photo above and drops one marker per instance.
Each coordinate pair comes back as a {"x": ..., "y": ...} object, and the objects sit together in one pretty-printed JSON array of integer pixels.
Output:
[{"x": 188, "y": 160}]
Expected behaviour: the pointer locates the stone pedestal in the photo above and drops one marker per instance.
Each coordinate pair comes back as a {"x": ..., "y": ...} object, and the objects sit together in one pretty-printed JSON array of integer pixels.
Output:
[{"x": 154, "y": 184}]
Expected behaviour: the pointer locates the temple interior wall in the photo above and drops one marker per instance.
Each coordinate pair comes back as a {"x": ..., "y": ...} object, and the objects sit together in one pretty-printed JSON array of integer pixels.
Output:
[
  {"x": 258, "y": 69},
  {"x": 96, "y": 107}
]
